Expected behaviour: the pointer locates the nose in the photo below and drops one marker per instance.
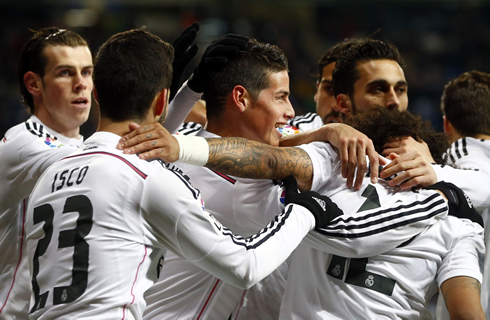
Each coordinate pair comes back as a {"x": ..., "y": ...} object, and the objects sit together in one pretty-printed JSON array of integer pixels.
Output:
[
  {"x": 289, "y": 111},
  {"x": 80, "y": 82},
  {"x": 392, "y": 100}
]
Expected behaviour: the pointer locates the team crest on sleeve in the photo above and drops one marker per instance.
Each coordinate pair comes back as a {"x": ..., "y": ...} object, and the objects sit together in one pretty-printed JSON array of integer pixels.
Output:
[
  {"x": 51, "y": 142},
  {"x": 288, "y": 130}
]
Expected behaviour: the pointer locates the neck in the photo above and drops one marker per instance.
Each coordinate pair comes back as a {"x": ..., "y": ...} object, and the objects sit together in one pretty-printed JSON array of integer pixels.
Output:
[
  {"x": 119, "y": 128},
  {"x": 482, "y": 136},
  {"x": 63, "y": 129},
  {"x": 223, "y": 128}
]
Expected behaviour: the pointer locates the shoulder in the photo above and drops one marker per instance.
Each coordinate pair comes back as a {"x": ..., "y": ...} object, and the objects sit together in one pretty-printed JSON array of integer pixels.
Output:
[
  {"x": 306, "y": 121},
  {"x": 189, "y": 128}
]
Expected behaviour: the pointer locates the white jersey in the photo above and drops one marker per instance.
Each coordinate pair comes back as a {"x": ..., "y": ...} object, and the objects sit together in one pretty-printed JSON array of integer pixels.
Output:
[
  {"x": 245, "y": 203},
  {"x": 185, "y": 291},
  {"x": 473, "y": 156},
  {"x": 306, "y": 122},
  {"x": 99, "y": 221},
  {"x": 322, "y": 285},
  {"x": 26, "y": 151}
]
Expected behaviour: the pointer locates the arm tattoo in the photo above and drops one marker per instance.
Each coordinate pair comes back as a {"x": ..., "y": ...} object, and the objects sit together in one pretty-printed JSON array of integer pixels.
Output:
[{"x": 250, "y": 159}]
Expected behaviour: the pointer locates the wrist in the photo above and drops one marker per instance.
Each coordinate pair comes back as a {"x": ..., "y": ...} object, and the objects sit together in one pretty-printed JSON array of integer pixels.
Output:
[{"x": 193, "y": 150}]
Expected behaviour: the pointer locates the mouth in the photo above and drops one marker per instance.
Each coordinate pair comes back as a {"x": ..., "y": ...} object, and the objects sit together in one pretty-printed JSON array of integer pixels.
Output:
[
  {"x": 286, "y": 130},
  {"x": 280, "y": 125},
  {"x": 80, "y": 101}
]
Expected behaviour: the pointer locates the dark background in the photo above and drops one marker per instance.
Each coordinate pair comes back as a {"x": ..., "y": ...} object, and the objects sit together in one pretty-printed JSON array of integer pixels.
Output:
[{"x": 438, "y": 39}]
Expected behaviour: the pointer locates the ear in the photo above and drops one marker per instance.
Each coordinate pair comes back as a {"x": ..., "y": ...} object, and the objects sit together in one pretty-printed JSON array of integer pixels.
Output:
[
  {"x": 241, "y": 98},
  {"x": 448, "y": 127},
  {"x": 162, "y": 102},
  {"x": 344, "y": 104},
  {"x": 33, "y": 83}
]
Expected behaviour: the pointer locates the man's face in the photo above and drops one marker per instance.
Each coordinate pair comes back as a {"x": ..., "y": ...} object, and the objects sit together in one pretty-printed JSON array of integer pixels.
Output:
[
  {"x": 66, "y": 87},
  {"x": 271, "y": 110},
  {"x": 381, "y": 83},
  {"x": 325, "y": 97}
]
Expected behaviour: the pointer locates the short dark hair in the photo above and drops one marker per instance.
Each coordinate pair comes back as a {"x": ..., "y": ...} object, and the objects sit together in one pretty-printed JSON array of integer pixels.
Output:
[
  {"x": 380, "y": 124},
  {"x": 466, "y": 103},
  {"x": 129, "y": 71},
  {"x": 32, "y": 57},
  {"x": 333, "y": 54},
  {"x": 346, "y": 74},
  {"x": 250, "y": 68}
]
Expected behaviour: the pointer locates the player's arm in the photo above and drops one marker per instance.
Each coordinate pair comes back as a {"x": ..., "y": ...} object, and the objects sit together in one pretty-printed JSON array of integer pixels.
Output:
[
  {"x": 462, "y": 297},
  {"x": 233, "y": 156},
  {"x": 182, "y": 225},
  {"x": 353, "y": 147}
]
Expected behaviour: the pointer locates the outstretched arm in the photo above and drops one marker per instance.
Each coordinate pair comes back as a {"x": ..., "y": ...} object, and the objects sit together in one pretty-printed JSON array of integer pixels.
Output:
[{"x": 234, "y": 156}]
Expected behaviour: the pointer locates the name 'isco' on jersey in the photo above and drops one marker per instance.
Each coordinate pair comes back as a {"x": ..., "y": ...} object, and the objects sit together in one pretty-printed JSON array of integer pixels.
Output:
[{"x": 99, "y": 222}]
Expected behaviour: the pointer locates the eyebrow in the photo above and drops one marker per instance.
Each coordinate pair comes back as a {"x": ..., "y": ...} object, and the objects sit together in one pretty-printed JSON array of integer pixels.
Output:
[
  {"x": 327, "y": 81},
  {"x": 384, "y": 82},
  {"x": 283, "y": 92},
  {"x": 66, "y": 66}
]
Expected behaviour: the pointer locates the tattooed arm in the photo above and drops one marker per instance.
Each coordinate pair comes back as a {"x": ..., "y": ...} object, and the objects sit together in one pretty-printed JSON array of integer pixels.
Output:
[
  {"x": 462, "y": 297},
  {"x": 250, "y": 159},
  {"x": 234, "y": 156}
]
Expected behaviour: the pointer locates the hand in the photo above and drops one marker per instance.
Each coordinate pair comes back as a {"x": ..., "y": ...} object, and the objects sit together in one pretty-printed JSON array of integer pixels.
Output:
[
  {"x": 405, "y": 145},
  {"x": 184, "y": 52},
  {"x": 150, "y": 141},
  {"x": 353, "y": 147},
  {"x": 215, "y": 57},
  {"x": 459, "y": 203},
  {"x": 411, "y": 170},
  {"x": 321, "y": 207}
]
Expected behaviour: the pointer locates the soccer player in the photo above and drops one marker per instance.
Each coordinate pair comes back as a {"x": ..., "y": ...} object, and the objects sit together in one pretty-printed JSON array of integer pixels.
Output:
[
  {"x": 453, "y": 256},
  {"x": 326, "y": 110},
  {"x": 98, "y": 221},
  {"x": 55, "y": 78},
  {"x": 466, "y": 109}
]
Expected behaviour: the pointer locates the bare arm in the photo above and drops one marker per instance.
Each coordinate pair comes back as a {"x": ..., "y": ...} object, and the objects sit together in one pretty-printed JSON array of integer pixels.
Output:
[
  {"x": 250, "y": 159},
  {"x": 462, "y": 297},
  {"x": 234, "y": 156}
]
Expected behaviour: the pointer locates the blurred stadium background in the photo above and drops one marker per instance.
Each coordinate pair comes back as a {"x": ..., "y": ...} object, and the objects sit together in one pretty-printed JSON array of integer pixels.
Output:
[{"x": 439, "y": 39}]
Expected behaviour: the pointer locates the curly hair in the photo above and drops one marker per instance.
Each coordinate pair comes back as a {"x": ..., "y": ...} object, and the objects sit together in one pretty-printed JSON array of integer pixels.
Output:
[{"x": 381, "y": 124}]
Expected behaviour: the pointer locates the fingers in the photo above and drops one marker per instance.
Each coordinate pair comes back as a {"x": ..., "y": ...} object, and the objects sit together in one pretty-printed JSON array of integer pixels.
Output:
[
  {"x": 142, "y": 134},
  {"x": 361, "y": 167},
  {"x": 374, "y": 162},
  {"x": 291, "y": 187},
  {"x": 351, "y": 165},
  {"x": 186, "y": 37}
]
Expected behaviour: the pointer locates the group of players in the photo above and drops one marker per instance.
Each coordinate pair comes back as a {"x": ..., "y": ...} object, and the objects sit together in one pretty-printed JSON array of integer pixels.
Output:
[{"x": 110, "y": 228}]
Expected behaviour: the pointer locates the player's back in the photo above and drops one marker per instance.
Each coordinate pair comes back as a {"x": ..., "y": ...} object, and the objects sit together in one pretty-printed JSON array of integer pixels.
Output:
[
  {"x": 85, "y": 215},
  {"x": 396, "y": 284}
]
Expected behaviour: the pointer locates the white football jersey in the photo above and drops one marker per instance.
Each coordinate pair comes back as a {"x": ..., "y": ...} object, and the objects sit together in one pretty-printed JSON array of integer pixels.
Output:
[
  {"x": 188, "y": 292},
  {"x": 243, "y": 204},
  {"x": 26, "y": 151},
  {"x": 99, "y": 221},
  {"x": 322, "y": 285},
  {"x": 473, "y": 156},
  {"x": 307, "y": 121}
]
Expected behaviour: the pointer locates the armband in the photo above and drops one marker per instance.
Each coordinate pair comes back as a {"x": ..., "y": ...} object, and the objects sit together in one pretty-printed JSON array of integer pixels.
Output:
[{"x": 193, "y": 150}]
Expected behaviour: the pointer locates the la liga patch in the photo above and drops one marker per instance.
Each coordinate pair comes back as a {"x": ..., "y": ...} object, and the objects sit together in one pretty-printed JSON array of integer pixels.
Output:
[
  {"x": 288, "y": 130},
  {"x": 51, "y": 142}
]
